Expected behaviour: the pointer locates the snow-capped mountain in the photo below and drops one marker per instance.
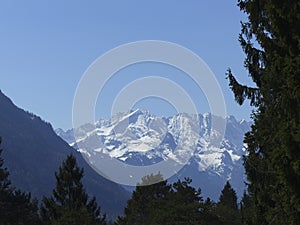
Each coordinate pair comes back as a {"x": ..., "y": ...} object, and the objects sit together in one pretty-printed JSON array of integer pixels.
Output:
[{"x": 138, "y": 138}]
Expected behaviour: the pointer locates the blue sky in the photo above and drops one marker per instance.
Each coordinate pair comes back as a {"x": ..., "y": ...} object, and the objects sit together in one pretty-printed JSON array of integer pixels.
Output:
[{"x": 45, "y": 47}]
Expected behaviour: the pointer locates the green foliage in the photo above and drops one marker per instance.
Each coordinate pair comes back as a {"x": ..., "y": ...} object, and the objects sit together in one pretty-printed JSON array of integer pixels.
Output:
[
  {"x": 69, "y": 203},
  {"x": 145, "y": 201},
  {"x": 183, "y": 205},
  {"x": 228, "y": 197},
  {"x": 164, "y": 204},
  {"x": 227, "y": 208},
  {"x": 19, "y": 208},
  {"x": 16, "y": 207},
  {"x": 271, "y": 41},
  {"x": 247, "y": 210}
]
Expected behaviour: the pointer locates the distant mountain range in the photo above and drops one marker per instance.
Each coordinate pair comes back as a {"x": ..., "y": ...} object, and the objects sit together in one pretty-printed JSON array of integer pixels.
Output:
[
  {"x": 32, "y": 152},
  {"x": 139, "y": 138}
]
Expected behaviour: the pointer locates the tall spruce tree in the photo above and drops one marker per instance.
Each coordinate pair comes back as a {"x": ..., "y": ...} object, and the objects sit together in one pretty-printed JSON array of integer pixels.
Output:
[
  {"x": 164, "y": 204},
  {"x": 69, "y": 203},
  {"x": 270, "y": 39},
  {"x": 184, "y": 205},
  {"x": 149, "y": 197},
  {"x": 228, "y": 197},
  {"x": 16, "y": 207},
  {"x": 227, "y": 207}
]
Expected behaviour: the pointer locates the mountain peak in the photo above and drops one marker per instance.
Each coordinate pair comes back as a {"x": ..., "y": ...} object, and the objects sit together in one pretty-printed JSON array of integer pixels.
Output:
[
  {"x": 4, "y": 100},
  {"x": 138, "y": 138}
]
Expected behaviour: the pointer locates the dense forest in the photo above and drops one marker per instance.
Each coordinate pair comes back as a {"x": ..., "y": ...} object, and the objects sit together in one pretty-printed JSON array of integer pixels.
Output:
[
  {"x": 160, "y": 203},
  {"x": 270, "y": 39}
]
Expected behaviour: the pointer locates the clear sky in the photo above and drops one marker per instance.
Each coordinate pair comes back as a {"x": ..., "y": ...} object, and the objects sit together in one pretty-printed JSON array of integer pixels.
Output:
[{"x": 46, "y": 45}]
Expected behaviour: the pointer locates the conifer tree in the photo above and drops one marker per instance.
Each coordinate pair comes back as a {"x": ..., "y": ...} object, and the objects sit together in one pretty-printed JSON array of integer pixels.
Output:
[
  {"x": 270, "y": 39},
  {"x": 148, "y": 198},
  {"x": 69, "y": 203},
  {"x": 227, "y": 208},
  {"x": 209, "y": 213},
  {"x": 247, "y": 213},
  {"x": 228, "y": 197},
  {"x": 164, "y": 204},
  {"x": 185, "y": 204}
]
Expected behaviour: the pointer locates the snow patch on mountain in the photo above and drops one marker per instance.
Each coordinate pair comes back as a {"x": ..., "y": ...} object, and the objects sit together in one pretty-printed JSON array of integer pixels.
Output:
[{"x": 139, "y": 138}]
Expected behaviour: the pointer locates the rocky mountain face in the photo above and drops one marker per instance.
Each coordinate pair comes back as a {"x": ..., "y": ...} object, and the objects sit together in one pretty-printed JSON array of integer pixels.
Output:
[
  {"x": 140, "y": 139},
  {"x": 32, "y": 152}
]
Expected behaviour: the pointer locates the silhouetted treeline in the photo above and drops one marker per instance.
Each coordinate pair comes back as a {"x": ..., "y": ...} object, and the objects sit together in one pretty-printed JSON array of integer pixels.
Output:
[
  {"x": 179, "y": 203},
  {"x": 159, "y": 203},
  {"x": 68, "y": 205}
]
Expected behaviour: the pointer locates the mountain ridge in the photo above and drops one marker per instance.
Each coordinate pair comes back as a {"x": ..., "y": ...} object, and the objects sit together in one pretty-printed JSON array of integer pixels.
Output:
[
  {"x": 32, "y": 152},
  {"x": 139, "y": 138}
]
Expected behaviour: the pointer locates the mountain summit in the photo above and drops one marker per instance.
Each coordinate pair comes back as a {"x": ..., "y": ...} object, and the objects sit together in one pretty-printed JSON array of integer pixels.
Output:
[{"x": 138, "y": 138}]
